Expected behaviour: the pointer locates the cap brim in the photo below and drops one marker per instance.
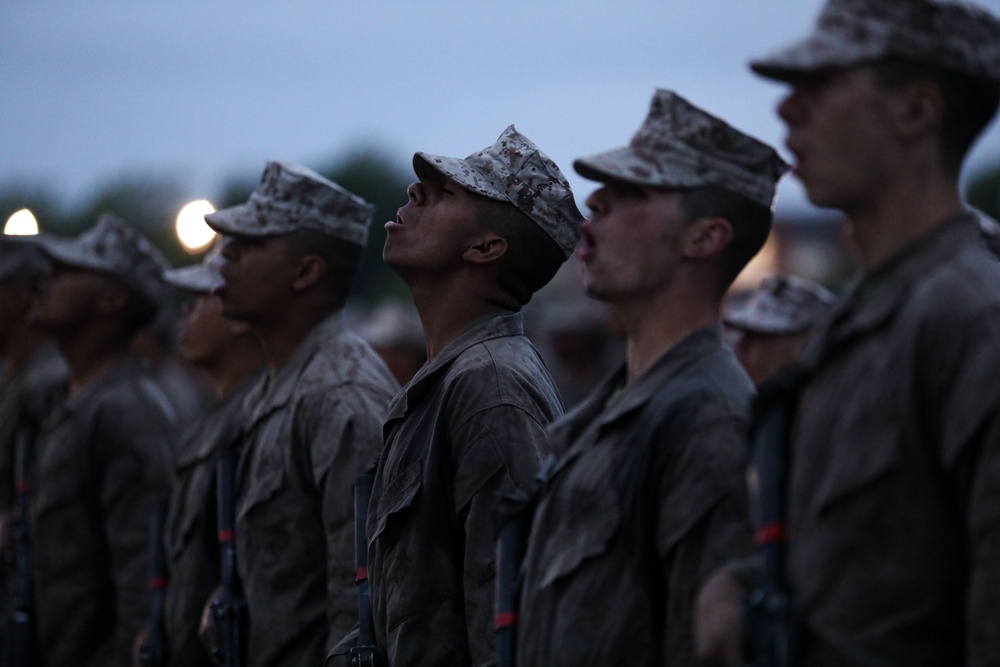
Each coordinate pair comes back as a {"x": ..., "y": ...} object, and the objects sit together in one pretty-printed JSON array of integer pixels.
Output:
[
  {"x": 194, "y": 278},
  {"x": 812, "y": 54},
  {"x": 234, "y": 221},
  {"x": 630, "y": 166},
  {"x": 434, "y": 167},
  {"x": 67, "y": 251}
]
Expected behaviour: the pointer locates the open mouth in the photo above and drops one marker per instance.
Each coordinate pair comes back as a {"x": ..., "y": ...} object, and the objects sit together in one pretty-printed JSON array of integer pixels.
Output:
[{"x": 395, "y": 224}]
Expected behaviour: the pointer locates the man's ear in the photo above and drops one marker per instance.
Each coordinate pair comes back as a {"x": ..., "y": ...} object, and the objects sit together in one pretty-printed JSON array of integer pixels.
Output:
[
  {"x": 916, "y": 109},
  {"x": 706, "y": 237},
  {"x": 309, "y": 270},
  {"x": 485, "y": 249}
]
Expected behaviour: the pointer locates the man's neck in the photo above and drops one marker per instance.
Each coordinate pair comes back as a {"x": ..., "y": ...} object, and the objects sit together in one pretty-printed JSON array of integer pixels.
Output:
[
  {"x": 654, "y": 325},
  {"x": 20, "y": 345},
  {"x": 903, "y": 211},
  {"x": 448, "y": 308},
  {"x": 282, "y": 335},
  {"x": 89, "y": 354},
  {"x": 241, "y": 359}
]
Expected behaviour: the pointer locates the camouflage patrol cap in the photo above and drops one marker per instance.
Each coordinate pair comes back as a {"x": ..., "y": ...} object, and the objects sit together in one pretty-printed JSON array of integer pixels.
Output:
[
  {"x": 682, "y": 146},
  {"x": 956, "y": 36},
  {"x": 21, "y": 260},
  {"x": 113, "y": 247},
  {"x": 782, "y": 305},
  {"x": 204, "y": 276},
  {"x": 292, "y": 198},
  {"x": 514, "y": 170}
]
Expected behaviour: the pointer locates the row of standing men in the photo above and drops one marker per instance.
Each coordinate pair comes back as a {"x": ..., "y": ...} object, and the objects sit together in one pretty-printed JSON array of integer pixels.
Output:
[{"x": 640, "y": 548}]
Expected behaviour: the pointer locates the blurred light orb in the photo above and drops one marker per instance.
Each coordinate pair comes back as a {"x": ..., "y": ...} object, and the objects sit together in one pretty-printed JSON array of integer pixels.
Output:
[
  {"x": 21, "y": 223},
  {"x": 192, "y": 231}
]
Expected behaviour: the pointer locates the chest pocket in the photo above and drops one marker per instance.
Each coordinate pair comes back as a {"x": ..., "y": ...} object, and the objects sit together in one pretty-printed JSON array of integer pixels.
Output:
[
  {"x": 585, "y": 513},
  {"x": 399, "y": 493},
  {"x": 858, "y": 463},
  {"x": 61, "y": 469},
  {"x": 262, "y": 463},
  {"x": 194, "y": 494}
]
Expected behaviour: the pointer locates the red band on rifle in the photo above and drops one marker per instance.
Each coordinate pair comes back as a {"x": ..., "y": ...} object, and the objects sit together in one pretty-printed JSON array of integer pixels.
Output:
[
  {"x": 158, "y": 583},
  {"x": 226, "y": 536},
  {"x": 507, "y": 619},
  {"x": 361, "y": 574},
  {"x": 770, "y": 533},
  {"x": 22, "y": 486}
]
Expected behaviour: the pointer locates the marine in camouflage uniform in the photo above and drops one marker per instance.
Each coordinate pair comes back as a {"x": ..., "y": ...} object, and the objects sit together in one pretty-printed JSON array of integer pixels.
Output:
[
  {"x": 477, "y": 238},
  {"x": 894, "y": 526},
  {"x": 315, "y": 422},
  {"x": 102, "y": 456},
  {"x": 229, "y": 353},
  {"x": 647, "y": 497}
]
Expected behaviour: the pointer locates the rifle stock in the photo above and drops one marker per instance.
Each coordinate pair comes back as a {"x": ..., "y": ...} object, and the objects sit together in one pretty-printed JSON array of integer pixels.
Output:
[
  {"x": 365, "y": 653},
  {"x": 154, "y": 650},
  {"x": 229, "y": 611},
  {"x": 772, "y": 617},
  {"x": 23, "y": 650}
]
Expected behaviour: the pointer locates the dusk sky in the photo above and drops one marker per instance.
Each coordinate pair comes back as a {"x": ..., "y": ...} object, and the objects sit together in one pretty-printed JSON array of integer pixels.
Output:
[{"x": 203, "y": 90}]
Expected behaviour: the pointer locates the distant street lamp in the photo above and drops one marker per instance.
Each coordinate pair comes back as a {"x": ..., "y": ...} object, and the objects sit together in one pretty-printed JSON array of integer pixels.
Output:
[
  {"x": 21, "y": 223},
  {"x": 192, "y": 231}
]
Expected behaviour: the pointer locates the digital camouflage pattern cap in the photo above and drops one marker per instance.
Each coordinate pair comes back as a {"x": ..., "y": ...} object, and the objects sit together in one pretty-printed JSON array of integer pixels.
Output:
[
  {"x": 514, "y": 170},
  {"x": 202, "y": 277},
  {"x": 956, "y": 36},
  {"x": 292, "y": 198},
  {"x": 682, "y": 146},
  {"x": 113, "y": 247},
  {"x": 782, "y": 305},
  {"x": 21, "y": 260}
]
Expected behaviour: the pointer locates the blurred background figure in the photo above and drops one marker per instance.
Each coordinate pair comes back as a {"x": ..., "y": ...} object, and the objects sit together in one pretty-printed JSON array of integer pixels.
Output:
[
  {"x": 34, "y": 373},
  {"x": 577, "y": 346},
  {"x": 230, "y": 356},
  {"x": 187, "y": 387},
  {"x": 102, "y": 456},
  {"x": 393, "y": 330},
  {"x": 773, "y": 323}
]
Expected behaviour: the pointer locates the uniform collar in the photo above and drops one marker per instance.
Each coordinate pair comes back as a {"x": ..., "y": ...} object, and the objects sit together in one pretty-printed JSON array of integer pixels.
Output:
[
  {"x": 612, "y": 402},
  {"x": 883, "y": 291},
  {"x": 277, "y": 389},
  {"x": 497, "y": 326}
]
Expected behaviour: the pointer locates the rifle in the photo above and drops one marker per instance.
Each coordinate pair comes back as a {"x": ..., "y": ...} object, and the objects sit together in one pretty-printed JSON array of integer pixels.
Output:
[
  {"x": 365, "y": 653},
  {"x": 772, "y": 617},
  {"x": 154, "y": 650},
  {"x": 512, "y": 520},
  {"x": 23, "y": 650},
  {"x": 230, "y": 610}
]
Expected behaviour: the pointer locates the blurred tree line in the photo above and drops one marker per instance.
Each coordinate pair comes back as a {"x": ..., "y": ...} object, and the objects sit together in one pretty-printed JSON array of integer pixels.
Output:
[{"x": 151, "y": 203}]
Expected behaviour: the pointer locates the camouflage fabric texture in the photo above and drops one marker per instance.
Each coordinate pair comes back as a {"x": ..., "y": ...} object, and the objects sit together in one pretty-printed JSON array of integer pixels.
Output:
[
  {"x": 204, "y": 276},
  {"x": 514, "y": 170},
  {"x": 682, "y": 146},
  {"x": 113, "y": 247},
  {"x": 782, "y": 305},
  {"x": 957, "y": 36},
  {"x": 292, "y": 198}
]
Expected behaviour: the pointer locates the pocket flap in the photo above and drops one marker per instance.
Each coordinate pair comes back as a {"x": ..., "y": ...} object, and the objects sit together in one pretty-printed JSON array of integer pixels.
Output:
[
  {"x": 399, "y": 494},
  {"x": 585, "y": 533}
]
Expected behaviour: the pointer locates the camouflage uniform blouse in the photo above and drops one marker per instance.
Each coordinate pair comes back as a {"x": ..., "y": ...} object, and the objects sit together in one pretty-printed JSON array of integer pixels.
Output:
[
  {"x": 647, "y": 498},
  {"x": 470, "y": 425},
  {"x": 101, "y": 468},
  {"x": 895, "y": 492},
  {"x": 191, "y": 537},
  {"x": 313, "y": 428}
]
